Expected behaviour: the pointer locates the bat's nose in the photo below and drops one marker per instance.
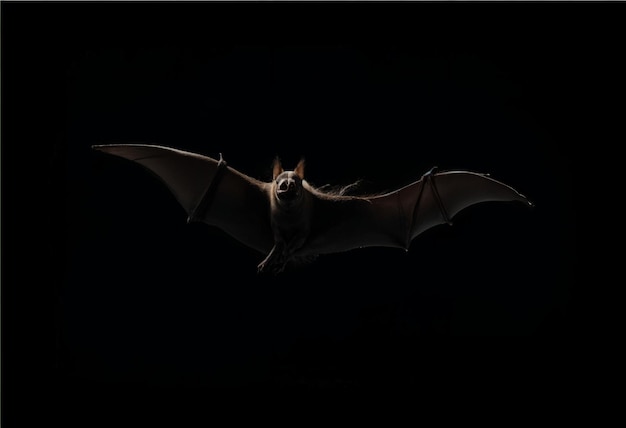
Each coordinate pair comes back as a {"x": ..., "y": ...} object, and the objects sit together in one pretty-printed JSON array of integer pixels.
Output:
[{"x": 287, "y": 185}]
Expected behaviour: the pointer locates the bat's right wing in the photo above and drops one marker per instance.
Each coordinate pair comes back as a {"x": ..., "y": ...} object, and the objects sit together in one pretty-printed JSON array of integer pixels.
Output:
[
  {"x": 209, "y": 190},
  {"x": 342, "y": 223}
]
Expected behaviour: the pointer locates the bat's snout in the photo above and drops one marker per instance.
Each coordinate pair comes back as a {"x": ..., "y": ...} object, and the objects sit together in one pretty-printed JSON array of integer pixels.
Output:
[
  {"x": 287, "y": 189},
  {"x": 287, "y": 185}
]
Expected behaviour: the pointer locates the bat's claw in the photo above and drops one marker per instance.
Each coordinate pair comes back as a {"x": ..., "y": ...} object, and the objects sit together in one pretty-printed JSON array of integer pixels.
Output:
[
  {"x": 273, "y": 263},
  {"x": 274, "y": 268},
  {"x": 432, "y": 171}
]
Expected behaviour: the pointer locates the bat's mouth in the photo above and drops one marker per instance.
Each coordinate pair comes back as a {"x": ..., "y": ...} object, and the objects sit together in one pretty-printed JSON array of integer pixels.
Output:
[{"x": 288, "y": 194}]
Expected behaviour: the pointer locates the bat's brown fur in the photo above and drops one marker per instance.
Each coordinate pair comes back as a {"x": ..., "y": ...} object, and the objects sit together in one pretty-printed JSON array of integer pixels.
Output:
[{"x": 290, "y": 216}]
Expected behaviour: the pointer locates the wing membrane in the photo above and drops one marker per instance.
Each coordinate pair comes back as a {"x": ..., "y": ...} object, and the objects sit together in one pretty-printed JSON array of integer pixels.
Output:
[
  {"x": 239, "y": 206},
  {"x": 396, "y": 218}
]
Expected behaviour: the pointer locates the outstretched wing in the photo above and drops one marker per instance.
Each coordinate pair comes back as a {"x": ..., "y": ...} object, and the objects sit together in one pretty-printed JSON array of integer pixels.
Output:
[
  {"x": 209, "y": 190},
  {"x": 341, "y": 223}
]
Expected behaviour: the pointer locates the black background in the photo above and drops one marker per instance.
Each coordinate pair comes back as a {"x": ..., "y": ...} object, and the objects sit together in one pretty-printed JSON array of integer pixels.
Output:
[{"x": 111, "y": 301}]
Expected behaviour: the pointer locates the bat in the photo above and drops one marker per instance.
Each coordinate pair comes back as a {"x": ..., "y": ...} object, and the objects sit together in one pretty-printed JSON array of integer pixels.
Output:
[{"x": 290, "y": 221}]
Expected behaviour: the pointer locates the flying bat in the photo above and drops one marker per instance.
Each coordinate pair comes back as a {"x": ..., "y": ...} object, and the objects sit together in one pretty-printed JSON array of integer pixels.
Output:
[{"x": 290, "y": 220}]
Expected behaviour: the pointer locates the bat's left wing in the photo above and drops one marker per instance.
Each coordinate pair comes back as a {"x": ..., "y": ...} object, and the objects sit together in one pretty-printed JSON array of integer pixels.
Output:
[
  {"x": 341, "y": 223},
  {"x": 208, "y": 190}
]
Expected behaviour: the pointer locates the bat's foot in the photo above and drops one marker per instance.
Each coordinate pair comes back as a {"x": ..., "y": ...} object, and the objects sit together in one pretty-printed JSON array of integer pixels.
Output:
[
  {"x": 260, "y": 268},
  {"x": 274, "y": 268},
  {"x": 263, "y": 267},
  {"x": 277, "y": 259},
  {"x": 273, "y": 263}
]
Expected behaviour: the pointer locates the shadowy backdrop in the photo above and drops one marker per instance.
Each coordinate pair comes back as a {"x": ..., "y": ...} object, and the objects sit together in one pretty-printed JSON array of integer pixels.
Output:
[{"x": 111, "y": 294}]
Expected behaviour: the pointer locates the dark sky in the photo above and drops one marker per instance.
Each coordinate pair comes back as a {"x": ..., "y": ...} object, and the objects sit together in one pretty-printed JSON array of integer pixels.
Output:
[{"x": 112, "y": 293}]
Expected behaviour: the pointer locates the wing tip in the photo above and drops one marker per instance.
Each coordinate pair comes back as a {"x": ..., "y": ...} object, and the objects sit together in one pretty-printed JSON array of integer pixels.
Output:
[
  {"x": 524, "y": 199},
  {"x": 108, "y": 148},
  {"x": 105, "y": 148},
  {"x": 111, "y": 146},
  {"x": 133, "y": 152}
]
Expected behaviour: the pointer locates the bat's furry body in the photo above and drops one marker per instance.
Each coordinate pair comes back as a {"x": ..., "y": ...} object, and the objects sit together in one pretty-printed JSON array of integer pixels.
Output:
[{"x": 289, "y": 219}]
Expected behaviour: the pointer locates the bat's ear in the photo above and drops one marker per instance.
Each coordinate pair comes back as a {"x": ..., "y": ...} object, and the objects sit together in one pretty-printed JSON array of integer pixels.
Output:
[
  {"x": 277, "y": 168},
  {"x": 300, "y": 169}
]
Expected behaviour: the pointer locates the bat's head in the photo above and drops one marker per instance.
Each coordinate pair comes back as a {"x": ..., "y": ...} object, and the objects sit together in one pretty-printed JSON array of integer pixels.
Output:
[{"x": 288, "y": 184}]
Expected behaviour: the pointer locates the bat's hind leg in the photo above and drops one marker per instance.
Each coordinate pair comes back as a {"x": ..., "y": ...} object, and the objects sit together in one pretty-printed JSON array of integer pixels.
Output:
[
  {"x": 274, "y": 262},
  {"x": 281, "y": 253}
]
